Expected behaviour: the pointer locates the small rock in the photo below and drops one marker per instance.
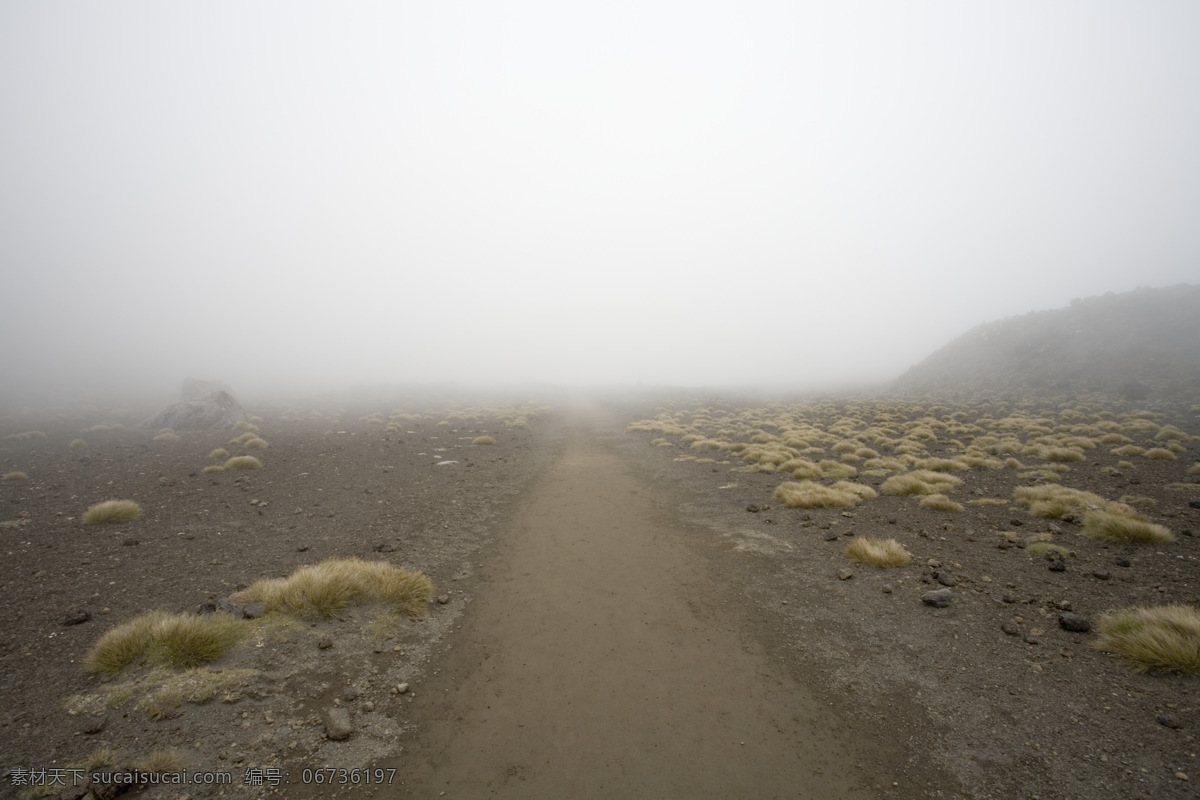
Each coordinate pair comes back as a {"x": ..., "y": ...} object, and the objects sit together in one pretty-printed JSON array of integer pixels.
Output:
[
  {"x": 76, "y": 617},
  {"x": 939, "y": 598},
  {"x": 887, "y": 588},
  {"x": 1121, "y": 561},
  {"x": 1102, "y": 574},
  {"x": 402, "y": 688},
  {"x": 228, "y": 607},
  {"x": 1064, "y": 605},
  {"x": 831, "y": 536},
  {"x": 1187, "y": 532},
  {"x": 1169, "y": 721},
  {"x": 254, "y": 610},
  {"x": 753, "y": 509},
  {"x": 1181, "y": 775},
  {"x": 1074, "y": 623},
  {"x": 1029, "y": 638},
  {"x": 338, "y": 725},
  {"x": 300, "y": 548},
  {"x": 349, "y": 693},
  {"x": 324, "y": 643},
  {"x": 1010, "y": 628},
  {"x": 1016, "y": 523},
  {"x": 845, "y": 574},
  {"x": 1008, "y": 597},
  {"x": 443, "y": 599},
  {"x": 207, "y": 607},
  {"x": 945, "y": 579},
  {"x": 1057, "y": 565},
  {"x": 368, "y": 706},
  {"x": 129, "y": 542},
  {"x": 1074, "y": 519},
  {"x": 94, "y": 725},
  {"x": 933, "y": 563},
  {"x": 1193, "y": 503}
]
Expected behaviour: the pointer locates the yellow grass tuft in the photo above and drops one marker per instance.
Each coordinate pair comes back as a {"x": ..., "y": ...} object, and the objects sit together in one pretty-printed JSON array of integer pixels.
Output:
[
  {"x": 243, "y": 462},
  {"x": 213, "y": 468},
  {"x": 490, "y": 440},
  {"x": 1160, "y": 637},
  {"x": 318, "y": 591},
  {"x": 178, "y": 641},
  {"x": 940, "y": 502},
  {"x": 1160, "y": 453},
  {"x": 248, "y": 427},
  {"x": 1122, "y": 528},
  {"x": 220, "y": 452},
  {"x": 15, "y": 476},
  {"x": 77, "y": 444},
  {"x": 112, "y": 512},
  {"x": 809, "y": 494},
  {"x": 166, "y": 435},
  {"x": 256, "y": 444},
  {"x": 879, "y": 552},
  {"x": 922, "y": 481}
]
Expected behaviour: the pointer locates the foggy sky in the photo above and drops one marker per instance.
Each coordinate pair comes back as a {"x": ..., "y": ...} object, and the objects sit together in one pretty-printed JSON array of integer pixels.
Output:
[{"x": 697, "y": 193}]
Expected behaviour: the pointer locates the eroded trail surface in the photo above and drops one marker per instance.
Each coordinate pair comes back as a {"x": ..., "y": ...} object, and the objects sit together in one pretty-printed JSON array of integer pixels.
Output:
[{"x": 598, "y": 661}]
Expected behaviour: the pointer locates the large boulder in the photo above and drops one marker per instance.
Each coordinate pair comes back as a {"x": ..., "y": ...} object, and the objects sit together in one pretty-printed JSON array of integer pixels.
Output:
[
  {"x": 214, "y": 411},
  {"x": 196, "y": 389}
]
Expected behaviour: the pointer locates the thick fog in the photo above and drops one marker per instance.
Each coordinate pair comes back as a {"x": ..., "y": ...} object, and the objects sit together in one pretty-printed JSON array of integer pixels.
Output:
[{"x": 302, "y": 195}]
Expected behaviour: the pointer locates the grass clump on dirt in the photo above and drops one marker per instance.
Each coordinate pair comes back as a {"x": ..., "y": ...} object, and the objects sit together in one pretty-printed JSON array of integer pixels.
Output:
[
  {"x": 77, "y": 444},
  {"x": 166, "y": 435},
  {"x": 940, "y": 502},
  {"x": 1121, "y": 528},
  {"x": 178, "y": 641},
  {"x": 878, "y": 552},
  {"x": 921, "y": 481},
  {"x": 809, "y": 494},
  {"x": 219, "y": 453},
  {"x": 243, "y": 462},
  {"x": 1160, "y": 637},
  {"x": 196, "y": 685},
  {"x": 112, "y": 512},
  {"x": 318, "y": 591},
  {"x": 1053, "y": 502},
  {"x": 15, "y": 476},
  {"x": 490, "y": 440}
]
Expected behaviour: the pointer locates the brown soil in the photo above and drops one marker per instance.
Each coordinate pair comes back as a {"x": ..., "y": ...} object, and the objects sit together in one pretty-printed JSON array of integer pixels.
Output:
[{"x": 616, "y": 623}]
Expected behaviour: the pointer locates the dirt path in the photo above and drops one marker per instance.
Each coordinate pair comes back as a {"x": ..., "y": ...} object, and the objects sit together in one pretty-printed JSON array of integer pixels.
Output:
[{"x": 597, "y": 661}]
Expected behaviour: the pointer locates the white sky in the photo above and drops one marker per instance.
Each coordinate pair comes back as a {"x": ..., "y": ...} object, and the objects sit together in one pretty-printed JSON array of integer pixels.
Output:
[{"x": 690, "y": 192}]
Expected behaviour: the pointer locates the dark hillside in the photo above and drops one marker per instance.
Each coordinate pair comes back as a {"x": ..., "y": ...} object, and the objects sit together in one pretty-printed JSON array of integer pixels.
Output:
[{"x": 1136, "y": 345}]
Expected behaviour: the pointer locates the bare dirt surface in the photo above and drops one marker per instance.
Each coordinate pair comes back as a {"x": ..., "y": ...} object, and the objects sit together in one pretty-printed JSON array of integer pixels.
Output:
[{"x": 613, "y": 618}]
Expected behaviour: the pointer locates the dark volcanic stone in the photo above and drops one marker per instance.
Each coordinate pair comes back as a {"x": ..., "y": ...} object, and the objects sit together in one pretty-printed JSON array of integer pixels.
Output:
[
  {"x": 939, "y": 598},
  {"x": 1102, "y": 574},
  {"x": 76, "y": 617},
  {"x": 1074, "y": 623},
  {"x": 1057, "y": 565},
  {"x": 1121, "y": 561}
]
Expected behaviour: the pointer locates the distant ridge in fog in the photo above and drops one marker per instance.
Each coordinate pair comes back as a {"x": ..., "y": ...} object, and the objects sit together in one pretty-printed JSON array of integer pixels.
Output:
[{"x": 1140, "y": 344}]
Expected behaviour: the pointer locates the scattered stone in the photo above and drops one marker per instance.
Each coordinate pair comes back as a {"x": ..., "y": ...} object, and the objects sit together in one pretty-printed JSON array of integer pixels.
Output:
[
  {"x": 933, "y": 563},
  {"x": 887, "y": 588},
  {"x": 753, "y": 509},
  {"x": 1074, "y": 519},
  {"x": 129, "y": 541},
  {"x": 1074, "y": 622},
  {"x": 93, "y": 725},
  {"x": 368, "y": 706},
  {"x": 254, "y": 610},
  {"x": 939, "y": 598},
  {"x": 1169, "y": 721},
  {"x": 300, "y": 548},
  {"x": 230, "y": 608},
  {"x": 76, "y": 617},
  {"x": 1181, "y": 775},
  {"x": 945, "y": 579},
  {"x": 1029, "y": 638},
  {"x": 1187, "y": 532},
  {"x": 1121, "y": 561},
  {"x": 845, "y": 574},
  {"x": 1102, "y": 574},
  {"x": 349, "y": 693},
  {"x": 401, "y": 688},
  {"x": 338, "y": 725},
  {"x": 831, "y": 536},
  {"x": 1008, "y": 597},
  {"x": 385, "y": 547},
  {"x": 443, "y": 599},
  {"x": 1016, "y": 523},
  {"x": 1011, "y": 628},
  {"x": 324, "y": 643},
  {"x": 207, "y": 607},
  {"x": 1057, "y": 565},
  {"x": 1193, "y": 503},
  {"x": 1064, "y": 605}
]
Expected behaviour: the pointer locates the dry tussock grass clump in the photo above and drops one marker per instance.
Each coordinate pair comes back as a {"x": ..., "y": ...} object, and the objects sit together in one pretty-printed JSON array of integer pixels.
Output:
[
  {"x": 809, "y": 494},
  {"x": 922, "y": 481},
  {"x": 1194, "y": 469},
  {"x": 256, "y": 444},
  {"x": 243, "y": 462},
  {"x": 1160, "y": 637},
  {"x": 211, "y": 468},
  {"x": 112, "y": 512},
  {"x": 1053, "y": 501},
  {"x": 1128, "y": 451},
  {"x": 1171, "y": 433},
  {"x": 491, "y": 440},
  {"x": 178, "y": 641},
  {"x": 166, "y": 435},
  {"x": 195, "y": 685},
  {"x": 939, "y": 502},
  {"x": 319, "y": 591},
  {"x": 248, "y": 427},
  {"x": 1161, "y": 453},
  {"x": 77, "y": 444},
  {"x": 878, "y": 552},
  {"x": 1122, "y": 528},
  {"x": 245, "y": 437},
  {"x": 16, "y": 475},
  {"x": 220, "y": 452}
]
